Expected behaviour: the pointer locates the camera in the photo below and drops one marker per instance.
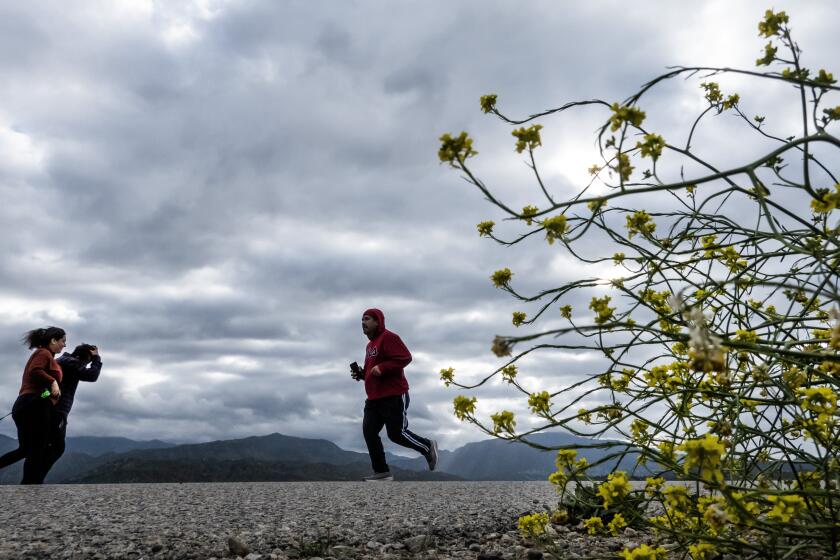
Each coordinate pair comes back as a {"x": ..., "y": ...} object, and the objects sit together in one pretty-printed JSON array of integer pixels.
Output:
[{"x": 357, "y": 373}]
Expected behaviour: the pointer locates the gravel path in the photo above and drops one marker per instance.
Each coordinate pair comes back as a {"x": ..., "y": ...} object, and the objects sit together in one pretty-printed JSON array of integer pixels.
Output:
[{"x": 475, "y": 520}]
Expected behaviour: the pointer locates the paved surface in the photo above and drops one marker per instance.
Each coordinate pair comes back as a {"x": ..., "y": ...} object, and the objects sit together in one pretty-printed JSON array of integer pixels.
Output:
[{"x": 272, "y": 520}]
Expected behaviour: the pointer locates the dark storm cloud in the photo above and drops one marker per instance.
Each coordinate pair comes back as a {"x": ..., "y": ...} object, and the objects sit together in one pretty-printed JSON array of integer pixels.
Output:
[{"x": 213, "y": 192}]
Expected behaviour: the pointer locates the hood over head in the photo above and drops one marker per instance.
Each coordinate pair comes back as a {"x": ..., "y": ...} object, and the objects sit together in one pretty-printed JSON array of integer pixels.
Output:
[{"x": 379, "y": 316}]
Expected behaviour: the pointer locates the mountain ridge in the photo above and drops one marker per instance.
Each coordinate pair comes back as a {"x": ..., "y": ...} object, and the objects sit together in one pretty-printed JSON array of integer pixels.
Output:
[{"x": 279, "y": 457}]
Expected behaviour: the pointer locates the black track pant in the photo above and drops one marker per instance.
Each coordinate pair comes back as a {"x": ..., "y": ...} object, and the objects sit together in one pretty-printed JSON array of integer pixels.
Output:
[
  {"x": 32, "y": 416},
  {"x": 389, "y": 412}
]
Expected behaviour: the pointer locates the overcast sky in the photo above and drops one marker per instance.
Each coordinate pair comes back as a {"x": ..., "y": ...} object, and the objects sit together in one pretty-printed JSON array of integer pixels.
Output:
[{"x": 213, "y": 191}]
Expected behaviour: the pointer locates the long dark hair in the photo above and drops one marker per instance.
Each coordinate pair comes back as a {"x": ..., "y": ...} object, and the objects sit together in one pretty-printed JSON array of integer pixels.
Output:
[{"x": 41, "y": 338}]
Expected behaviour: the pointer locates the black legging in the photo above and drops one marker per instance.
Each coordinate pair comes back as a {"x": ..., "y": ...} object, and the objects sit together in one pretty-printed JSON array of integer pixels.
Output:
[
  {"x": 31, "y": 414},
  {"x": 55, "y": 442}
]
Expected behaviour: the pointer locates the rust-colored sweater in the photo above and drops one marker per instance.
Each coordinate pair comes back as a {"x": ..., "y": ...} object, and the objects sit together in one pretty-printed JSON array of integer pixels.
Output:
[{"x": 40, "y": 371}]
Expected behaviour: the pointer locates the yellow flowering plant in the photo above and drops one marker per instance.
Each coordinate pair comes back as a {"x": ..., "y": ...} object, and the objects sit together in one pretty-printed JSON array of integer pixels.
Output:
[{"x": 714, "y": 359}]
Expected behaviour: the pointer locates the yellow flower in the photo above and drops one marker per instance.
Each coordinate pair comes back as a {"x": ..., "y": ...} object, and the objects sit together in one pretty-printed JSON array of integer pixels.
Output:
[
  {"x": 679, "y": 349},
  {"x": 555, "y": 227},
  {"x": 785, "y": 507},
  {"x": 621, "y": 382},
  {"x": 731, "y": 101},
  {"x": 597, "y": 204},
  {"x": 565, "y": 458},
  {"x": 617, "y": 524},
  {"x": 772, "y": 23},
  {"x": 640, "y": 222},
  {"x": 748, "y": 337},
  {"x": 623, "y": 167},
  {"x": 509, "y": 373},
  {"x": 676, "y": 498},
  {"x": 446, "y": 375},
  {"x": 560, "y": 515},
  {"x": 625, "y": 114},
  {"x": 618, "y": 258},
  {"x": 657, "y": 376},
  {"x": 455, "y": 149},
  {"x": 594, "y": 525},
  {"x": 713, "y": 94},
  {"x": 615, "y": 488},
  {"x": 558, "y": 478},
  {"x": 527, "y": 137},
  {"x": 830, "y": 367},
  {"x": 566, "y": 311},
  {"x": 827, "y": 200},
  {"x": 832, "y": 113},
  {"x": 769, "y": 55},
  {"x": 464, "y": 406},
  {"x": 488, "y": 102},
  {"x": 667, "y": 450},
  {"x": 825, "y": 78},
  {"x": 639, "y": 430},
  {"x": 602, "y": 308},
  {"x": 644, "y": 552},
  {"x": 744, "y": 511},
  {"x": 503, "y": 422},
  {"x": 539, "y": 403},
  {"x": 528, "y": 213},
  {"x": 819, "y": 400},
  {"x": 518, "y": 318},
  {"x": 533, "y": 525},
  {"x": 653, "y": 485},
  {"x": 705, "y": 454},
  {"x": 501, "y": 278},
  {"x": 732, "y": 258},
  {"x": 702, "y": 551},
  {"x": 796, "y": 75},
  {"x": 652, "y": 146},
  {"x": 485, "y": 229}
]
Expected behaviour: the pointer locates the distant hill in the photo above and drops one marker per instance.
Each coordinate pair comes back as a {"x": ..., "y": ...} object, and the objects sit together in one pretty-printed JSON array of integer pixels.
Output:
[
  {"x": 7, "y": 444},
  {"x": 277, "y": 457},
  {"x": 81, "y": 454},
  {"x": 98, "y": 446},
  {"x": 273, "y": 447},
  {"x": 496, "y": 459},
  {"x": 274, "y": 457}
]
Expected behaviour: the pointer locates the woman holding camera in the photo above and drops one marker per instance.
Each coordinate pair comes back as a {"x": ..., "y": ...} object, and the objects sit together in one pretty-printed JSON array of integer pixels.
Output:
[
  {"x": 83, "y": 364},
  {"x": 32, "y": 413}
]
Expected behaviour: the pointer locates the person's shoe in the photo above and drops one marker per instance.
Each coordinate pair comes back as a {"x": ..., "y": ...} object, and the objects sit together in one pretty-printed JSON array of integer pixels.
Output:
[
  {"x": 380, "y": 477},
  {"x": 432, "y": 457}
]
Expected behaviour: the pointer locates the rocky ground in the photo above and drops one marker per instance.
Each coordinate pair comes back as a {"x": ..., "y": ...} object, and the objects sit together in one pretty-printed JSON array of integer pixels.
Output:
[{"x": 263, "y": 521}]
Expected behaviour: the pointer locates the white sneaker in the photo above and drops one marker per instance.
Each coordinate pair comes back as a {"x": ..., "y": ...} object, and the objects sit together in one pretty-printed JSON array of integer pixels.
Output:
[
  {"x": 380, "y": 477},
  {"x": 432, "y": 457}
]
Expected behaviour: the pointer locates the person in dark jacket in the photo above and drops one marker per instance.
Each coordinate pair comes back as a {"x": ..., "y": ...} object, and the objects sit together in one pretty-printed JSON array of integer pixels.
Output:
[
  {"x": 83, "y": 364},
  {"x": 387, "y": 396},
  {"x": 39, "y": 392}
]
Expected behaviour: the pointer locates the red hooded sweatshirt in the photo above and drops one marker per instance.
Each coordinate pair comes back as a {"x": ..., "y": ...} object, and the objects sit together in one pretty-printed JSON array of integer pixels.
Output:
[{"x": 387, "y": 351}]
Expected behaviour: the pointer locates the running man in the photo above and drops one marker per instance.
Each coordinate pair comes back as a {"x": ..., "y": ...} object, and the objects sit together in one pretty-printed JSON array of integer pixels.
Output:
[{"x": 387, "y": 397}]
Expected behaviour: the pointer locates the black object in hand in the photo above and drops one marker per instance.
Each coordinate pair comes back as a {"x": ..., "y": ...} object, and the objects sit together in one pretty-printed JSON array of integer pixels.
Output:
[{"x": 358, "y": 373}]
